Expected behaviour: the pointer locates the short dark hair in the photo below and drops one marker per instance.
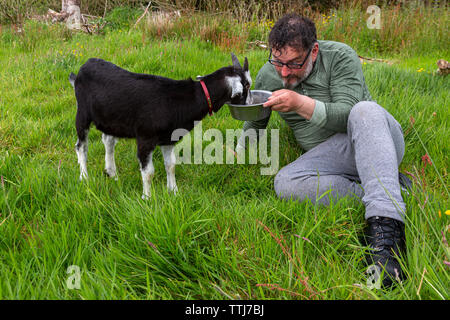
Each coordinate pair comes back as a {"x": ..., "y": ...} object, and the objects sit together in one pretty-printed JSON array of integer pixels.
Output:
[{"x": 293, "y": 30}]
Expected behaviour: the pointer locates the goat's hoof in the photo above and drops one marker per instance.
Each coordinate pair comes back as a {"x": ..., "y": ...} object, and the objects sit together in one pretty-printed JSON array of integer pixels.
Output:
[
  {"x": 173, "y": 190},
  {"x": 111, "y": 174},
  {"x": 145, "y": 197}
]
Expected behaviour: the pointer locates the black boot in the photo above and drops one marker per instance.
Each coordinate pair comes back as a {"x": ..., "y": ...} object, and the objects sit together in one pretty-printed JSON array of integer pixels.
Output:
[{"x": 386, "y": 237}]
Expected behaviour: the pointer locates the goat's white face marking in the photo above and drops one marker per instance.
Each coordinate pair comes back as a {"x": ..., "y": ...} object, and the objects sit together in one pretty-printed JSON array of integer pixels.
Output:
[
  {"x": 249, "y": 99},
  {"x": 235, "y": 85},
  {"x": 249, "y": 79}
]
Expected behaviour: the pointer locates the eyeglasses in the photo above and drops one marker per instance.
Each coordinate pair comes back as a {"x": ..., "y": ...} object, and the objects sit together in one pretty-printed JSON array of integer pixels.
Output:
[{"x": 290, "y": 65}]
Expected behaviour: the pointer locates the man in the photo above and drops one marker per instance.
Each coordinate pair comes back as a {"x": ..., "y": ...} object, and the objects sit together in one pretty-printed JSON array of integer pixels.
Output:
[{"x": 354, "y": 146}]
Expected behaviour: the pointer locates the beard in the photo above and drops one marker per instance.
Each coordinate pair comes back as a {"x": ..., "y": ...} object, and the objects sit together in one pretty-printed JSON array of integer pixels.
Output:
[{"x": 292, "y": 81}]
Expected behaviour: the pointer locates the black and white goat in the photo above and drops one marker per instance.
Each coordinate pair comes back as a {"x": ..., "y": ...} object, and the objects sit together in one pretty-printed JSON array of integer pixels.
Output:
[{"x": 148, "y": 108}]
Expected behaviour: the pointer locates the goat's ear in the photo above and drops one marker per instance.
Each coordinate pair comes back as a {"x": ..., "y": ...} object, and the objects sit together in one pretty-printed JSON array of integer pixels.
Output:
[
  {"x": 235, "y": 60},
  {"x": 246, "y": 64}
]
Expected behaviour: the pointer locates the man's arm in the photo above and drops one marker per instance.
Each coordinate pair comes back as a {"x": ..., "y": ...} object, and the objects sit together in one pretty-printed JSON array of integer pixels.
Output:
[{"x": 346, "y": 89}]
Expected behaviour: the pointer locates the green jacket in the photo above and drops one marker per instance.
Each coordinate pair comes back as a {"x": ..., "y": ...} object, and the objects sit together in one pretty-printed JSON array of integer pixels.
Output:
[{"x": 336, "y": 83}]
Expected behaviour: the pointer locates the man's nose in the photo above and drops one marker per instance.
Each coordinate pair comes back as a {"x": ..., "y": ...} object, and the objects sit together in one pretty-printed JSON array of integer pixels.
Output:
[{"x": 285, "y": 71}]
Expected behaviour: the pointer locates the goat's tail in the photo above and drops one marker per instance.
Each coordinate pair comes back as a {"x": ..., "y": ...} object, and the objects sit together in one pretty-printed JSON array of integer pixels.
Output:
[{"x": 72, "y": 78}]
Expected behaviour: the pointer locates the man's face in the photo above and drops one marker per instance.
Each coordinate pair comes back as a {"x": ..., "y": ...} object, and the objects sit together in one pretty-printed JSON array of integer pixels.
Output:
[{"x": 292, "y": 77}]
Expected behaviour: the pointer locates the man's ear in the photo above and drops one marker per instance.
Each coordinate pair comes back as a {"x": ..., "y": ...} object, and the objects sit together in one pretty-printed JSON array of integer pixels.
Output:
[{"x": 315, "y": 51}]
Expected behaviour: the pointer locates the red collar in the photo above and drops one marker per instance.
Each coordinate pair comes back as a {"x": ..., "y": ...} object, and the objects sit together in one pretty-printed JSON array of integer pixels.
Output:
[{"x": 208, "y": 98}]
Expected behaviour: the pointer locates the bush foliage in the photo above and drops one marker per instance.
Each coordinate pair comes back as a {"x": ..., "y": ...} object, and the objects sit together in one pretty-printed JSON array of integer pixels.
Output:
[{"x": 15, "y": 11}]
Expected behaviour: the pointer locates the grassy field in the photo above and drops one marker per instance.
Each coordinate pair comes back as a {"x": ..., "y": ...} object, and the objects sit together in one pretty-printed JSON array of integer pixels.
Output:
[{"x": 225, "y": 235}]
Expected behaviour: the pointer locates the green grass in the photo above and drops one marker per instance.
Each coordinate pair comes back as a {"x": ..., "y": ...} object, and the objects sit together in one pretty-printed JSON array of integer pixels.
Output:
[{"x": 225, "y": 235}]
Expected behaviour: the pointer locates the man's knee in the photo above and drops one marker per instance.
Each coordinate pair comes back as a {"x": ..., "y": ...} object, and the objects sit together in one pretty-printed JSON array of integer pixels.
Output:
[
  {"x": 365, "y": 110},
  {"x": 364, "y": 115}
]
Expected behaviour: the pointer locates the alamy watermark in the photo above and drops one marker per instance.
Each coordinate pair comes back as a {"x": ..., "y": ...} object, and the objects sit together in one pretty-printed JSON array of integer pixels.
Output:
[
  {"x": 74, "y": 279},
  {"x": 374, "y": 20},
  {"x": 213, "y": 153},
  {"x": 374, "y": 279}
]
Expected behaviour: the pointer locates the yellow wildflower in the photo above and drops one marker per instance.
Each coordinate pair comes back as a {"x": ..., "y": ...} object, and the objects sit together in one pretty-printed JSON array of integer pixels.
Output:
[{"x": 447, "y": 212}]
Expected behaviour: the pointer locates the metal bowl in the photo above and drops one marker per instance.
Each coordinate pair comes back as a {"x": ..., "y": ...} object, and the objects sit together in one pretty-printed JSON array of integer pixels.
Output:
[{"x": 253, "y": 111}]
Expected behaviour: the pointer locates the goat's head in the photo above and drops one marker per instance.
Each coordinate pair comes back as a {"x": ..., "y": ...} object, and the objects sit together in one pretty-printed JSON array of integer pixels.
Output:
[
  {"x": 239, "y": 82},
  {"x": 236, "y": 79}
]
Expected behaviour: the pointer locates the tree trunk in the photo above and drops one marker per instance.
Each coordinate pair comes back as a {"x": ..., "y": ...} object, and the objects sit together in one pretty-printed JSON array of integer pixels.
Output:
[
  {"x": 72, "y": 8},
  {"x": 64, "y": 6},
  {"x": 67, "y": 3}
]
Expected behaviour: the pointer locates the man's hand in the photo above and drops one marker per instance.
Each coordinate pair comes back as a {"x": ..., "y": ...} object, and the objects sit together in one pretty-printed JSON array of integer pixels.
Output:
[{"x": 287, "y": 100}]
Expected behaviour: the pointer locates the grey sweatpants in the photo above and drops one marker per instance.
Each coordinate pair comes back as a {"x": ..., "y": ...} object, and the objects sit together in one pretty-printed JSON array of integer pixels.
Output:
[{"x": 362, "y": 162}]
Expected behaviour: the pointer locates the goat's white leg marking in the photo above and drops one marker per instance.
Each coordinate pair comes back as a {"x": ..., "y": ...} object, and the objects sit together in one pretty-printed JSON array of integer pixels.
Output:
[
  {"x": 169, "y": 162},
  {"x": 147, "y": 172},
  {"x": 110, "y": 164},
  {"x": 81, "y": 148}
]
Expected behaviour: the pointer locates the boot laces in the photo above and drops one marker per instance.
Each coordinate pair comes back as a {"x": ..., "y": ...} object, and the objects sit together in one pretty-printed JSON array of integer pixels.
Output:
[{"x": 386, "y": 234}]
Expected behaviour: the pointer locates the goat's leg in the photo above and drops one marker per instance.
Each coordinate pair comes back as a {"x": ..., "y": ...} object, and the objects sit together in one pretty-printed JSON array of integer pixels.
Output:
[
  {"x": 82, "y": 123},
  {"x": 81, "y": 148},
  {"x": 169, "y": 163},
  {"x": 110, "y": 164},
  {"x": 145, "y": 156}
]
